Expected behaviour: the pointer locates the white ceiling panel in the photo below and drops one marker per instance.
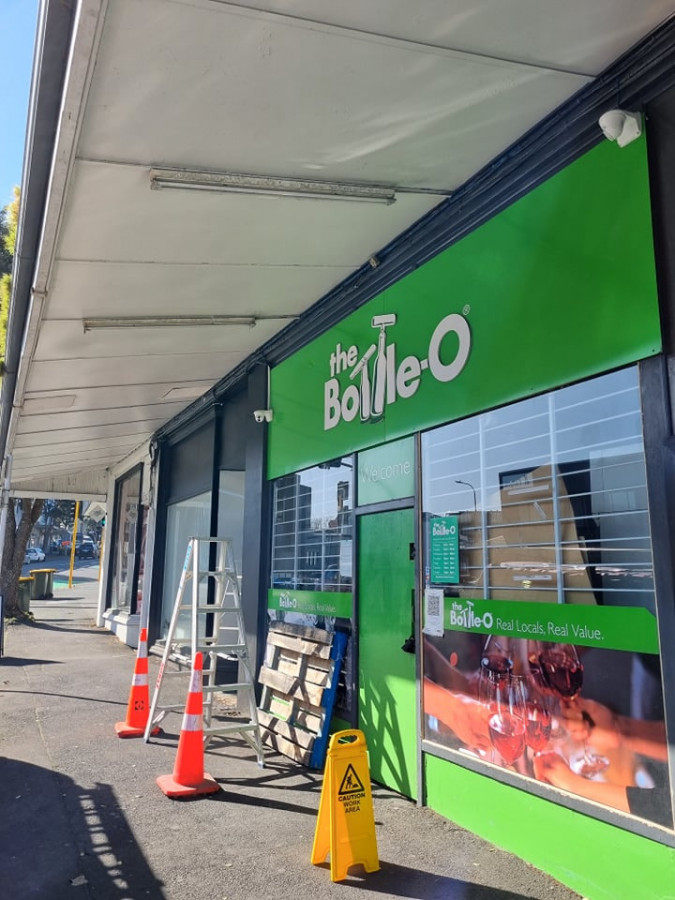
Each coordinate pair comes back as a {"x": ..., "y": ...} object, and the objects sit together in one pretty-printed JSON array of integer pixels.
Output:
[
  {"x": 113, "y": 441},
  {"x": 70, "y": 374},
  {"x": 26, "y": 465},
  {"x": 94, "y": 399},
  {"x": 63, "y": 435},
  {"x": 82, "y": 289},
  {"x": 577, "y": 35},
  {"x": 106, "y": 450},
  {"x": 337, "y": 104},
  {"x": 85, "y": 483},
  {"x": 82, "y": 419}
]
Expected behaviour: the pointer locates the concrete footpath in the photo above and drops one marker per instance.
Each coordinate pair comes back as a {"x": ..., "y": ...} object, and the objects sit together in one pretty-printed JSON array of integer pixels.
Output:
[{"x": 82, "y": 817}]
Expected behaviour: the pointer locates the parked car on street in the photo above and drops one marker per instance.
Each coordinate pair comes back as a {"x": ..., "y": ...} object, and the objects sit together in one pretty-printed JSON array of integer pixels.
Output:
[
  {"x": 86, "y": 549},
  {"x": 33, "y": 555}
]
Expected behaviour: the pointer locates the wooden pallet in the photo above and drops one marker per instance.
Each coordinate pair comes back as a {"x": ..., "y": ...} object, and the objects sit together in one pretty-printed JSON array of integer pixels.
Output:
[{"x": 299, "y": 679}]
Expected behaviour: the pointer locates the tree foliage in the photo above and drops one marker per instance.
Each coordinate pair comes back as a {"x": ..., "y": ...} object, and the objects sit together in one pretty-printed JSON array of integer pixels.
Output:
[
  {"x": 9, "y": 220},
  {"x": 12, "y": 214},
  {"x": 5, "y": 252},
  {"x": 56, "y": 514},
  {"x": 59, "y": 513}
]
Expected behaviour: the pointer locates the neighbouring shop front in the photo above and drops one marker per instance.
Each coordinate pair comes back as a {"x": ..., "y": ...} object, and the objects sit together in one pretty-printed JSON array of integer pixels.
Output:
[
  {"x": 125, "y": 550},
  {"x": 210, "y": 483},
  {"x": 129, "y": 528},
  {"x": 467, "y": 476}
]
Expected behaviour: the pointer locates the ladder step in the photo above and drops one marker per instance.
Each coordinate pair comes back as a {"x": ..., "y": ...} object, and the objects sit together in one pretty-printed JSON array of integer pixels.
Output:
[
  {"x": 213, "y": 608},
  {"x": 217, "y": 573},
  {"x": 229, "y": 729},
  {"x": 176, "y": 707},
  {"x": 234, "y": 649},
  {"x": 225, "y": 688}
]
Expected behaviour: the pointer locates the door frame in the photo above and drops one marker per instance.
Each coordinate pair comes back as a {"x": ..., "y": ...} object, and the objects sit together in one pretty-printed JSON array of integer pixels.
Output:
[{"x": 414, "y": 504}]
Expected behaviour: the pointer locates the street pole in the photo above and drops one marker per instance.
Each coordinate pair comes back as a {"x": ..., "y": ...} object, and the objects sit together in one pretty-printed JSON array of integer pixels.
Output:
[
  {"x": 473, "y": 490},
  {"x": 72, "y": 544}
]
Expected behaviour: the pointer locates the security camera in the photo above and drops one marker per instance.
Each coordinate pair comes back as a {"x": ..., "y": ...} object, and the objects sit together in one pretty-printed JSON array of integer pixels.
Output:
[
  {"x": 263, "y": 415},
  {"x": 621, "y": 126}
]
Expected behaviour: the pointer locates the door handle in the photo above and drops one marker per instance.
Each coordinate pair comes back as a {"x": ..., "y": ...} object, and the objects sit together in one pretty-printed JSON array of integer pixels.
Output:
[{"x": 408, "y": 645}]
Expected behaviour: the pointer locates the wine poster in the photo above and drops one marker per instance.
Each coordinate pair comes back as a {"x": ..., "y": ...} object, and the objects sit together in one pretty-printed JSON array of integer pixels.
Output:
[{"x": 587, "y": 719}]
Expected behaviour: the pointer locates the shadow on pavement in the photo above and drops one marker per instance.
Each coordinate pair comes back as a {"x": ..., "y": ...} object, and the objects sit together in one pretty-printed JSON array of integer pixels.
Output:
[
  {"x": 273, "y": 774},
  {"x": 22, "y": 661},
  {"x": 63, "y": 605},
  {"x": 56, "y": 836},
  {"x": 401, "y": 881},
  {"x": 226, "y": 796},
  {"x": 47, "y": 626},
  {"x": 55, "y": 694}
]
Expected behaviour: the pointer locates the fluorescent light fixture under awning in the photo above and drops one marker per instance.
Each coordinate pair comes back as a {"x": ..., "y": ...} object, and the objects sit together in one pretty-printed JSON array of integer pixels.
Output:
[
  {"x": 236, "y": 183},
  {"x": 172, "y": 321}
]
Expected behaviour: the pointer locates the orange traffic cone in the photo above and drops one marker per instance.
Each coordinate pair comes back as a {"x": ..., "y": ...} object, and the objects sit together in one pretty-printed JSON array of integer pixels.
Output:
[
  {"x": 138, "y": 707},
  {"x": 189, "y": 778}
]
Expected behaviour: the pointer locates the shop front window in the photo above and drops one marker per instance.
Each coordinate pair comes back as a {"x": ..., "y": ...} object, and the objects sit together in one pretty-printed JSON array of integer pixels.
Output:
[
  {"x": 312, "y": 558},
  {"x": 186, "y": 519},
  {"x": 140, "y": 578},
  {"x": 312, "y": 530},
  {"x": 231, "y": 512},
  {"x": 540, "y": 642},
  {"x": 127, "y": 543}
]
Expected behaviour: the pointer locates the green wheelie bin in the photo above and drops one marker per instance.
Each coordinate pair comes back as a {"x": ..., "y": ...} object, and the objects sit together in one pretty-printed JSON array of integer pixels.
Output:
[
  {"x": 43, "y": 584},
  {"x": 25, "y": 592}
]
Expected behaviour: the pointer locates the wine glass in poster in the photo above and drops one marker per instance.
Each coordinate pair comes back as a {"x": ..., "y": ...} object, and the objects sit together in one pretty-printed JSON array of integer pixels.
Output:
[{"x": 587, "y": 726}]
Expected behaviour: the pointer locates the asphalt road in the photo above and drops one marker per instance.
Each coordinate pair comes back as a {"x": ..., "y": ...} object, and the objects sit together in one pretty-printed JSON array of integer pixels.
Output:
[{"x": 83, "y": 569}]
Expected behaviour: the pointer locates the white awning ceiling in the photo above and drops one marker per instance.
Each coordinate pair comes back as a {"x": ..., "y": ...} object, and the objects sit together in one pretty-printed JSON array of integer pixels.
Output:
[{"x": 417, "y": 96}]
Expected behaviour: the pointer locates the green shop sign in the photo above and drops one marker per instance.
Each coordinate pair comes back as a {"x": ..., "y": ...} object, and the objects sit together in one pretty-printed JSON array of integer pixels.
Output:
[
  {"x": 317, "y": 603},
  {"x": 624, "y": 628},
  {"x": 539, "y": 296}
]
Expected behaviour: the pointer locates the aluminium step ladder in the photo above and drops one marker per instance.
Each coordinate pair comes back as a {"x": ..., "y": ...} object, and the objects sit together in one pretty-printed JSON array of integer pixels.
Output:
[{"x": 217, "y": 631}]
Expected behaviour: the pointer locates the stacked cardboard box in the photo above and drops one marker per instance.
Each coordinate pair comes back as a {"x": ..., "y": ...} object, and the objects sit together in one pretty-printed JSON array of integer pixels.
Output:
[{"x": 520, "y": 553}]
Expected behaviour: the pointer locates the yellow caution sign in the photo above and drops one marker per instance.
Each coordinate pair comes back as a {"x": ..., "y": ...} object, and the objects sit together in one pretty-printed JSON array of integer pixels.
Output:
[{"x": 346, "y": 824}]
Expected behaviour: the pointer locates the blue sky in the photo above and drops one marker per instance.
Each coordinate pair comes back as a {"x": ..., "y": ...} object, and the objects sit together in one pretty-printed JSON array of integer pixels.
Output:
[{"x": 17, "y": 36}]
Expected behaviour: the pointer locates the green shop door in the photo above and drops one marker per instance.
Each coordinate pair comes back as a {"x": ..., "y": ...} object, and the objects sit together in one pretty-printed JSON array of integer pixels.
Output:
[{"x": 387, "y": 695}]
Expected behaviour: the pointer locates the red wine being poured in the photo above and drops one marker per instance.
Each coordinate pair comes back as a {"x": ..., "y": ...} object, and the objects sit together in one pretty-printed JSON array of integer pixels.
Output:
[
  {"x": 497, "y": 667},
  {"x": 562, "y": 672},
  {"x": 536, "y": 673}
]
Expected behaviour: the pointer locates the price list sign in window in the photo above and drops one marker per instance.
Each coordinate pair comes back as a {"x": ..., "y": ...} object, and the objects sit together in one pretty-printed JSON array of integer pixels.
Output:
[{"x": 444, "y": 550}]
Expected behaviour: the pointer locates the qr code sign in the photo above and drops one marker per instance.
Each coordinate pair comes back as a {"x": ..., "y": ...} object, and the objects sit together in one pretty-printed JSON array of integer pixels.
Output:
[
  {"x": 433, "y": 608},
  {"x": 434, "y": 605}
]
